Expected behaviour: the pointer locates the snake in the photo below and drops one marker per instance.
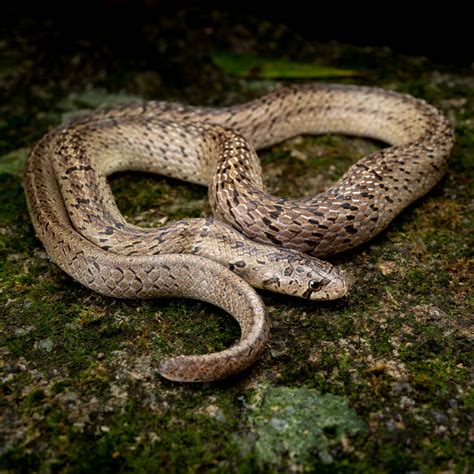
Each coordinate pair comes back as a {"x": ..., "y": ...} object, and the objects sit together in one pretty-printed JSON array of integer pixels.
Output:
[{"x": 254, "y": 239}]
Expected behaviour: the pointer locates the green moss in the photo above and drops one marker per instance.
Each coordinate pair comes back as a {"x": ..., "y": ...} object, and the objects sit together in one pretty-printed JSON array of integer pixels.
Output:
[
  {"x": 152, "y": 201},
  {"x": 307, "y": 165},
  {"x": 297, "y": 425},
  {"x": 14, "y": 162},
  {"x": 34, "y": 399},
  {"x": 469, "y": 399}
]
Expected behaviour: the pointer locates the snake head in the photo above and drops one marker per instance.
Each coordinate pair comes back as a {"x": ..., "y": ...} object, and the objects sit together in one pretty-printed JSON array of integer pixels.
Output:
[
  {"x": 327, "y": 285},
  {"x": 306, "y": 277}
]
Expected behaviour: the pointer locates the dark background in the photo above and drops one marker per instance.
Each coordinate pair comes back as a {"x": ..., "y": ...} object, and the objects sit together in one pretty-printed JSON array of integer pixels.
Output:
[{"x": 441, "y": 32}]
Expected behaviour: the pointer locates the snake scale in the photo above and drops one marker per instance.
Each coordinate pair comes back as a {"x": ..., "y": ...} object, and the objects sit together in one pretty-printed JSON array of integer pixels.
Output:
[{"x": 272, "y": 242}]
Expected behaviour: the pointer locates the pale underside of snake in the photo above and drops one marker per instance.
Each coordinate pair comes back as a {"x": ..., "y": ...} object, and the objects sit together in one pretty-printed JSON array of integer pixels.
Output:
[{"x": 269, "y": 241}]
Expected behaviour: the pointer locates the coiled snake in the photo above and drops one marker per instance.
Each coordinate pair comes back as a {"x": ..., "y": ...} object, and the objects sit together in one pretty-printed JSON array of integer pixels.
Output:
[{"x": 259, "y": 237}]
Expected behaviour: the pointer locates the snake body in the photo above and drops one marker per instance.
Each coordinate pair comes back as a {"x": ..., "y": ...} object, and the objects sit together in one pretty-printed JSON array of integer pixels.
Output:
[{"x": 256, "y": 236}]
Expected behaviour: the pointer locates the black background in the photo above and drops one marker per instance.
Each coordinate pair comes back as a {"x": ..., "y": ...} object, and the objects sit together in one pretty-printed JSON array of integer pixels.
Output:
[{"x": 442, "y": 32}]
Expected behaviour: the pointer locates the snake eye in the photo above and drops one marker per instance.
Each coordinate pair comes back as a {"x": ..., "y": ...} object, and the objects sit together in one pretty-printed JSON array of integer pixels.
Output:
[{"x": 315, "y": 285}]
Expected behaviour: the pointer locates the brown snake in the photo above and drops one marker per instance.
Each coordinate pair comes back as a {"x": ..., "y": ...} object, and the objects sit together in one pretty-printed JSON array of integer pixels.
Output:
[{"x": 76, "y": 218}]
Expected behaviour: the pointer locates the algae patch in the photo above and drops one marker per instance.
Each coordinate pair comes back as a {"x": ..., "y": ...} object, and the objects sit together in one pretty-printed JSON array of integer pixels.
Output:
[{"x": 301, "y": 424}]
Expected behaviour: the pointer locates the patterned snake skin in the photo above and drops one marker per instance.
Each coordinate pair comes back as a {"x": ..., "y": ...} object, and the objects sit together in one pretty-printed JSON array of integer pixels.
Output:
[{"x": 270, "y": 242}]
